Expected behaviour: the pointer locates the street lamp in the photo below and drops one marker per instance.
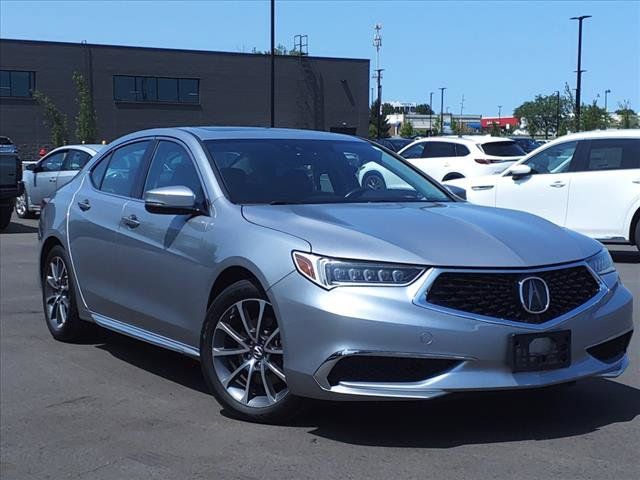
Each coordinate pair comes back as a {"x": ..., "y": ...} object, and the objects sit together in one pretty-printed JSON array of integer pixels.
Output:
[
  {"x": 557, "y": 112},
  {"x": 579, "y": 71},
  {"x": 499, "y": 113},
  {"x": 442, "y": 89},
  {"x": 430, "y": 112},
  {"x": 273, "y": 63},
  {"x": 606, "y": 94}
]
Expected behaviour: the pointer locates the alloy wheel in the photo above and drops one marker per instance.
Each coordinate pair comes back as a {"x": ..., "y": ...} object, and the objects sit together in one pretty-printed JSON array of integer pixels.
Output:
[
  {"x": 56, "y": 288},
  {"x": 247, "y": 354},
  {"x": 374, "y": 182},
  {"x": 21, "y": 205}
]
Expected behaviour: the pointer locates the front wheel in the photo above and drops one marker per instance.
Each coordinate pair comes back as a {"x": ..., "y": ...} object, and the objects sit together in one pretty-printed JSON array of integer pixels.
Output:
[
  {"x": 638, "y": 234},
  {"x": 373, "y": 181},
  {"x": 242, "y": 356}
]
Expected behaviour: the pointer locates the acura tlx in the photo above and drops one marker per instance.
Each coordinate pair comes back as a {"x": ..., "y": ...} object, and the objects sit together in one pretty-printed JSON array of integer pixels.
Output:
[{"x": 258, "y": 252}]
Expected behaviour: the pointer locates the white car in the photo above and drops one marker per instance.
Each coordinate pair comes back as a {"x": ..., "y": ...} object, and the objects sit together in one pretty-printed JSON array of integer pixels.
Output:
[
  {"x": 588, "y": 182},
  {"x": 41, "y": 179},
  {"x": 447, "y": 158}
]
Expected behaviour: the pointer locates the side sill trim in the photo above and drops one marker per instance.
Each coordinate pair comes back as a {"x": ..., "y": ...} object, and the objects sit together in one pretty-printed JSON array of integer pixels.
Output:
[{"x": 145, "y": 335}]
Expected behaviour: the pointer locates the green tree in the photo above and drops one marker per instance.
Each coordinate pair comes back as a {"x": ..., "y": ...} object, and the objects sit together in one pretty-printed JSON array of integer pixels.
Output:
[
  {"x": 55, "y": 120},
  {"x": 388, "y": 109},
  {"x": 424, "y": 109},
  {"x": 494, "y": 130},
  {"x": 592, "y": 117},
  {"x": 628, "y": 118},
  {"x": 373, "y": 122},
  {"x": 406, "y": 130},
  {"x": 86, "y": 119},
  {"x": 541, "y": 114},
  {"x": 437, "y": 127}
]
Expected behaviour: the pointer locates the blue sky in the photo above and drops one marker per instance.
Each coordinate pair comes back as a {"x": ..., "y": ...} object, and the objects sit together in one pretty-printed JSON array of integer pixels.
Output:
[{"x": 495, "y": 53}]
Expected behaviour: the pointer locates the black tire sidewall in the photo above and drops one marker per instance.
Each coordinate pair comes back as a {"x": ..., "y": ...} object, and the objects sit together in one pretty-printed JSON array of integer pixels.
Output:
[
  {"x": 279, "y": 413},
  {"x": 368, "y": 175},
  {"x": 71, "y": 329},
  {"x": 637, "y": 234}
]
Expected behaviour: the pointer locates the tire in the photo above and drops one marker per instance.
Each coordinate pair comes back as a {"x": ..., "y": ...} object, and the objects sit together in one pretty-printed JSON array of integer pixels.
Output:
[
  {"x": 452, "y": 176},
  {"x": 637, "y": 235},
  {"x": 266, "y": 398},
  {"x": 5, "y": 215},
  {"x": 22, "y": 206},
  {"x": 373, "y": 181},
  {"x": 59, "y": 300}
]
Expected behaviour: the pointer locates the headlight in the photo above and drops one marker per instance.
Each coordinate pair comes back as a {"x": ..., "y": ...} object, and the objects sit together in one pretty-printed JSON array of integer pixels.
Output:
[
  {"x": 329, "y": 272},
  {"x": 602, "y": 263}
]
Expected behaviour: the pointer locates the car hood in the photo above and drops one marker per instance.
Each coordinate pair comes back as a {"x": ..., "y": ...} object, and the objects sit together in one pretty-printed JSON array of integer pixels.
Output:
[{"x": 438, "y": 234}]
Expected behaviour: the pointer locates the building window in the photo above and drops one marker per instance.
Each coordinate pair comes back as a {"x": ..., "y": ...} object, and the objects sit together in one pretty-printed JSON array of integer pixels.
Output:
[
  {"x": 15, "y": 83},
  {"x": 156, "y": 89}
]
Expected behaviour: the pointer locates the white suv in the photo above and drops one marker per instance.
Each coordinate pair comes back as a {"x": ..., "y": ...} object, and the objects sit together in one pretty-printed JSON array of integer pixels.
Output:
[
  {"x": 588, "y": 182},
  {"x": 446, "y": 158}
]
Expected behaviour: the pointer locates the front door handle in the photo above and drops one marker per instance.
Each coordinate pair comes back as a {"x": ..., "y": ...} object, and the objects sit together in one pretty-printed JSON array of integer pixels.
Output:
[
  {"x": 636, "y": 181},
  {"x": 558, "y": 184},
  {"x": 131, "y": 221},
  {"x": 52, "y": 179},
  {"x": 84, "y": 205}
]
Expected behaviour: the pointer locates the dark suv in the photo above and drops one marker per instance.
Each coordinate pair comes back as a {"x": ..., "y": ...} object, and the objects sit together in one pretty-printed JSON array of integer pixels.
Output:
[{"x": 10, "y": 179}]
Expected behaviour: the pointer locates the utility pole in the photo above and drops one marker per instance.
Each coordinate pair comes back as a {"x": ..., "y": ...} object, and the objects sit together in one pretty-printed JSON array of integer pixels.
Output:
[
  {"x": 606, "y": 112},
  {"x": 579, "y": 70},
  {"x": 273, "y": 63},
  {"x": 430, "y": 113},
  {"x": 499, "y": 113},
  {"x": 377, "y": 42},
  {"x": 460, "y": 119},
  {"x": 442, "y": 89},
  {"x": 557, "y": 112}
]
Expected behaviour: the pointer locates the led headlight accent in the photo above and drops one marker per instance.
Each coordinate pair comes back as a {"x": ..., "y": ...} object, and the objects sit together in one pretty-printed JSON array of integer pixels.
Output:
[
  {"x": 329, "y": 272},
  {"x": 602, "y": 263}
]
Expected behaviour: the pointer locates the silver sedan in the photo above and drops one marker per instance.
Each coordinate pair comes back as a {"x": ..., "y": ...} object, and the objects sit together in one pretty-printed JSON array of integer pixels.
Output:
[{"x": 258, "y": 252}]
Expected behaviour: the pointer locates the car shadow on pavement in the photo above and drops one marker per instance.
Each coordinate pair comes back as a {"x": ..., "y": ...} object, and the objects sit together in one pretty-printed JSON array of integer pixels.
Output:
[
  {"x": 624, "y": 256},
  {"x": 14, "y": 227},
  {"x": 170, "y": 365},
  {"x": 478, "y": 418}
]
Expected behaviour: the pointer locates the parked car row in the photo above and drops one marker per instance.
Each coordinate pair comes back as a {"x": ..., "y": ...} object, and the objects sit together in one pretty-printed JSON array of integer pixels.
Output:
[
  {"x": 588, "y": 182},
  {"x": 260, "y": 253}
]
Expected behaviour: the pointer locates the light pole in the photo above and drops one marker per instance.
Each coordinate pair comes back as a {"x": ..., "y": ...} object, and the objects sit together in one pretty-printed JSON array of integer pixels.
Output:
[
  {"x": 442, "y": 89},
  {"x": 557, "y": 112},
  {"x": 579, "y": 70},
  {"x": 430, "y": 113},
  {"x": 377, "y": 42},
  {"x": 606, "y": 94},
  {"x": 273, "y": 63},
  {"x": 499, "y": 113}
]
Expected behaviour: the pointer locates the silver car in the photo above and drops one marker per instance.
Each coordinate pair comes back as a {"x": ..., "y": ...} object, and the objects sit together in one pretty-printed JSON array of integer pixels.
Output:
[
  {"x": 258, "y": 252},
  {"x": 43, "y": 178}
]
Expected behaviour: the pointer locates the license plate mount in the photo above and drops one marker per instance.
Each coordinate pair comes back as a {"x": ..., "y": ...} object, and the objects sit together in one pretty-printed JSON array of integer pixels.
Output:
[{"x": 535, "y": 352}]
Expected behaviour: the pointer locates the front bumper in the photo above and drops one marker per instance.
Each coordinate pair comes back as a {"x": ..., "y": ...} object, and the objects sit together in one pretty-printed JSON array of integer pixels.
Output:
[{"x": 319, "y": 327}]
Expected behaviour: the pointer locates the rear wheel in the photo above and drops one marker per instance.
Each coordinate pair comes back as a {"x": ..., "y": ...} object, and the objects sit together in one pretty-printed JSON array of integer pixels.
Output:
[
  {"x": 637, "y": 235},
  {"x": 241, "y": 355},
  {"x": 58, "y": 298},
  {"x": 22, "y": 206}
]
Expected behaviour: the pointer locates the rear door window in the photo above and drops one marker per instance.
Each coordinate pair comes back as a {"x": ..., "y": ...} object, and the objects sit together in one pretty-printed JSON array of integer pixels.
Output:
[
  {"x": 461, "y": 150},
  {"x": 612, "y": 154},
  {"x": 75, "y": 160},
  {"x": 439, "y": 149},
  {"x": 52, "y": 163}
]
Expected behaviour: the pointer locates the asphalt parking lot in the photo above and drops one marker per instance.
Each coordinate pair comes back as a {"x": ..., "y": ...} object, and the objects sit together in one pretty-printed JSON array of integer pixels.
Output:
[{"x": 115, "y": 408}]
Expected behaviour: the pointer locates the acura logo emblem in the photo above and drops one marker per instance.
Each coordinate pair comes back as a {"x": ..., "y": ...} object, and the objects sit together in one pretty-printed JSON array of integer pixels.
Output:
[{"x": 534, "y": 295}]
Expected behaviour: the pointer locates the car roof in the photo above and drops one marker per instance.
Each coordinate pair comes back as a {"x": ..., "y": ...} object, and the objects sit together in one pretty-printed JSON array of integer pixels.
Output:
[
  {"x": 220, "y": 133},
  {"x": 462, "y": 139},
  {"x": 86, "y": 147},
  {"x": 612, "y": 133}
]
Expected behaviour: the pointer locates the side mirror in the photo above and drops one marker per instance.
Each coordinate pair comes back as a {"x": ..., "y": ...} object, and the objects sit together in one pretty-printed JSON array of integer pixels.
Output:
[
  {"x": 520, "y": 171},
  {"x": 31, "y": 166},
  {"x": 178, "y": 200},
  {"x": 457, "y": 191}
]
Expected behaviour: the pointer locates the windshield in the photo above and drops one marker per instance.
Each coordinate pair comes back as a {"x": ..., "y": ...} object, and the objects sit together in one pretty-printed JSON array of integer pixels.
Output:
[
  {"x": 268, "y": 171},
  {"x": 503, "y": 149}
]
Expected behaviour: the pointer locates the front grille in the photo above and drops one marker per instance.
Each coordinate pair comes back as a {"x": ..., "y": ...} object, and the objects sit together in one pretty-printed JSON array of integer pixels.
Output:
[
  {"x": 611, "y": 350},
  {"x": 497, "y": 294},
  {"x": 371, "y": 368}
]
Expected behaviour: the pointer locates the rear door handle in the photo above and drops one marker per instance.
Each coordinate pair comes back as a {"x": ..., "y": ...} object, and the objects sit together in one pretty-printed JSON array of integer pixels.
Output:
[
  {"x": 131, "y": 221},
  {"x": 52, "y": 179},
  {"x": 636, "y": 181},
  {"x": 84, "y": 205},
  {"x": 558, "y": 184}
]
